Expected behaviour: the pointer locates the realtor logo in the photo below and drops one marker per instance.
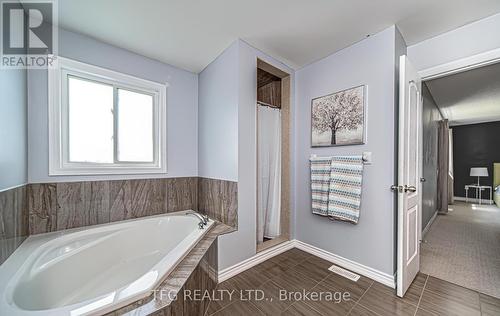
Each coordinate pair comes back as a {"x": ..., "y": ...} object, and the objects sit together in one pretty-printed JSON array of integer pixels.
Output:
[{"x": 29, "y": 33}]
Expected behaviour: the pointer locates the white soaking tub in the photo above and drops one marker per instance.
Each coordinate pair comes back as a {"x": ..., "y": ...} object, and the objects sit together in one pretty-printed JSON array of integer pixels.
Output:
[{"x": 95, "y": 270}]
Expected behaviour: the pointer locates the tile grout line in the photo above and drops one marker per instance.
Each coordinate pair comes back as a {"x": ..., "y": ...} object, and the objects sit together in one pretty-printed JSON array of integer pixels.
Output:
[
  {"x": 249, "y": 298},
  {"x": 314, "y": 309},
  {"x": 421, "y": 295},
  {"x": 329, "y": 273},
  {"x": 439, "y": 293},
  {"x": 271, "y": 280},
  {"x": 369, "y": 308},
  {"x": 480, "y": 305},
  {"x": 462, "y": 287},
  {"x": 206, "y": 311},
  {"x": 318, "y": 282},
  {"x": 257, "y": 307},
  {"x": 232, "y": 302},
  {"x": 286, "y": 269},
  {"x": 253, "y": 304},
  {"x": 221, "y": 308},
  {"x": 357, "y": 302},
  {"x": 268, "y": 280}
]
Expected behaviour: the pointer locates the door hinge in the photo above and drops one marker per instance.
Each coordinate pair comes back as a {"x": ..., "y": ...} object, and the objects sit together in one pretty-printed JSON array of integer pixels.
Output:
[{"x": 397, "y": 188}]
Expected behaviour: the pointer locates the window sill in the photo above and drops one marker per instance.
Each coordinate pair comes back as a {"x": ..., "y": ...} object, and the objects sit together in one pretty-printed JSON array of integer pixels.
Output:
[{"x": 119, "y": 170}]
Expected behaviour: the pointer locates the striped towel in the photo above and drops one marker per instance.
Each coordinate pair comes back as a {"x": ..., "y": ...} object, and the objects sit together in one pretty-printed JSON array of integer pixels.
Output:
[
  {"x": 336, "y": 187},
  {"x": 320, "y": 184},
  {"x": 344, "y": 198}
]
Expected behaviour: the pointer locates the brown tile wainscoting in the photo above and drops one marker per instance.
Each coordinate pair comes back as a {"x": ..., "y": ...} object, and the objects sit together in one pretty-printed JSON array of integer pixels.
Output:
[
  {"x": 13, "y": 220},
  {"x": 58, "y": 206},
  {"x": 219, "y": 200},
  {"x": 65, "y": 205},
  {"x": 45, "y": 207}
]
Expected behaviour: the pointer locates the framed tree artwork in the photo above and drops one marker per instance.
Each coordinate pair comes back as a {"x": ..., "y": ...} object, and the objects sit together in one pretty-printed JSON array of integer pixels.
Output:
[{"x": 338, "y": 119}]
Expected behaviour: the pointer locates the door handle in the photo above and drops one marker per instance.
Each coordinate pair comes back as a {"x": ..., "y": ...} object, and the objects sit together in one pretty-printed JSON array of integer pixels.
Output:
[{"x": 410, "y": 188}]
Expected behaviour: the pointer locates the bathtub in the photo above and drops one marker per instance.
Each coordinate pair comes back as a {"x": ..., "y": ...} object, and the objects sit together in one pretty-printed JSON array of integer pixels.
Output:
[{"x": 95, "y": 270}]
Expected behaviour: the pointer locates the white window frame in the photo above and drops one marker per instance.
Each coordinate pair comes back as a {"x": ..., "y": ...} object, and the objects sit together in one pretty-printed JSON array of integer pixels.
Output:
[{"x": 58, "y": 120}]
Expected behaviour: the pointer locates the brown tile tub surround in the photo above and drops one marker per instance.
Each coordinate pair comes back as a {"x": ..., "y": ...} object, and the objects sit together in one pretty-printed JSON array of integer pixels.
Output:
[
  {"x": 47, "y": 207},
  {"x": 65, "y": 205},
  {"x": 13, "y": 220},
  {"x": 219, "y": 200},
  {"x": 58, "y": 206}
]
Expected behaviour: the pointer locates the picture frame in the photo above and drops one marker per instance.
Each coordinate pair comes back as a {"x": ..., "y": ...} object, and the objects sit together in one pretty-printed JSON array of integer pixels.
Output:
[{"x": 339, "y": 118}]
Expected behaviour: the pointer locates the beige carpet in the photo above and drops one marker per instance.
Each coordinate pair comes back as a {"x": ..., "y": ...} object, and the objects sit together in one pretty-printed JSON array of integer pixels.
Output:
[{"x": 463, "y": 247}]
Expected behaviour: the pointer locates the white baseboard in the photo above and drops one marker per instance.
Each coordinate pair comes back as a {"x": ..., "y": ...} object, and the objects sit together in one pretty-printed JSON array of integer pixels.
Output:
[
  {"x": 254, "y": 260},
  {"x": 429, "y": 224},
  {"x": 472, "y": 200},
  {"x": 368, "y": 272}
]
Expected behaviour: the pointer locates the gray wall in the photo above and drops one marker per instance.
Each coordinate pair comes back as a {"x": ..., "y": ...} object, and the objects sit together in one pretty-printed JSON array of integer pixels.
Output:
[
  {"x": 430, "y": 118},
  {"x": 13, "y": 135},
  {"x": 218, "y": 135},
  {"x": 182, "y": 107},
  {"x": 468, "y": 40},
  {"x": 227, "y": 142},
  {"x": 218, "y": 117},
  {"x": 13, "y": 160},
  {"x": 369, "y": 62},
  {"x": 241, "y": 245}
]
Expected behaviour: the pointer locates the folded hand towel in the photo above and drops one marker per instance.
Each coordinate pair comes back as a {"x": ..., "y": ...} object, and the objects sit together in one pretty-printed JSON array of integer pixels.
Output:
[
  {"x": 320, "y": 184},
  {"x": 344, "y": 198}
]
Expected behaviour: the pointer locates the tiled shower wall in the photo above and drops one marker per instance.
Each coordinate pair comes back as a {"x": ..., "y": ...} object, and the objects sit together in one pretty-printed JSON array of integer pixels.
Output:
[{"x": 46, "y": 207}]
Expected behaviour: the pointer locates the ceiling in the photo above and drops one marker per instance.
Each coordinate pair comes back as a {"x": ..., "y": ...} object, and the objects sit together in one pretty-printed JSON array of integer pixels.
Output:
[
  {"x": 191, "y": 33},
  {"x": 469, "y": 97}
]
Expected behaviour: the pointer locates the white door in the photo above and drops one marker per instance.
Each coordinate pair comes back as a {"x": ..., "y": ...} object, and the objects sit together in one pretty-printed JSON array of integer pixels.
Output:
[{"x": 409, "y": 168}]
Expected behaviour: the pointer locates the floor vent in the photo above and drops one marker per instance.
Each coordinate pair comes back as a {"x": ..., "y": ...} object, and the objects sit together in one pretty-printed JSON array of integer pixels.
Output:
[{"x": 345, "y": 273}]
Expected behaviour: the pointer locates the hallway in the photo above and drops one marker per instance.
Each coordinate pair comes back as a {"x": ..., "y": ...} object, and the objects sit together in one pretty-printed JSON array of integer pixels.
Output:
[{"x": 463, "y": 247}]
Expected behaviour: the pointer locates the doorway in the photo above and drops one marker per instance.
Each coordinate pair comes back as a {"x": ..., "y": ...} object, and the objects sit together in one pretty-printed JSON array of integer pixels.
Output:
[
  {"x": 273, "y": 157},
  {"x": 461, "y": 223},
  {"x": 438, "y": 185}
]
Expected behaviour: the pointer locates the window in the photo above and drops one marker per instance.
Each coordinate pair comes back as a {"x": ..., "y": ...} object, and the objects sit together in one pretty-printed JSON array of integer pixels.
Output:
[{"x": 104, "y": 122}]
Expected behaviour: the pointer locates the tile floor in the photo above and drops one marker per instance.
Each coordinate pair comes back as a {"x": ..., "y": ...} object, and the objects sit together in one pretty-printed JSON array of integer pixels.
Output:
[{"x": 296, "y": 270}]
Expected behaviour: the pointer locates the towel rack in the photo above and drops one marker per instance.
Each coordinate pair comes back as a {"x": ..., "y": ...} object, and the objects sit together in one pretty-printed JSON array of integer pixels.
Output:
[{"x": 364, "y": 157}]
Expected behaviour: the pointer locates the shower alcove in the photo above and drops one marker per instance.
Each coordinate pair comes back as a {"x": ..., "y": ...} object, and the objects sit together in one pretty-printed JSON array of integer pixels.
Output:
[{"x": 273, "y": 156}]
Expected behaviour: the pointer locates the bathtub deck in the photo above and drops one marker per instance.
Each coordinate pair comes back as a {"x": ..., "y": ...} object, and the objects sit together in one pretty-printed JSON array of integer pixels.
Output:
[{"x": 175, "y": 281}]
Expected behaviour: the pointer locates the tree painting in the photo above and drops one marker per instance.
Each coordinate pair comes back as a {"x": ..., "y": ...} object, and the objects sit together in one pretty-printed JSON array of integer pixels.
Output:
[{"x": 337, "y": 119}]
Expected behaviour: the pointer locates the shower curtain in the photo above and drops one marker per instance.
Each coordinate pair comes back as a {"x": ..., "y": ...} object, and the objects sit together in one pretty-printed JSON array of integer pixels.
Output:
[{"x": 268, "y": 172}]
